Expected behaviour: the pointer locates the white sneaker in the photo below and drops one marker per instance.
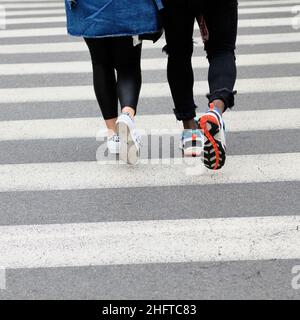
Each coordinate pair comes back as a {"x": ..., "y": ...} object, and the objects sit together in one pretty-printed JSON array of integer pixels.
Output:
[
  {"x": 130, "y": 141},
  {"x": 113, "y": 144}
]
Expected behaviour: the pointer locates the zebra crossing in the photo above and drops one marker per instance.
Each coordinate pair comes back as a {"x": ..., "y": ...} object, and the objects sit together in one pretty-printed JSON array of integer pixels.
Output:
[{"x": 73, "y": 224}]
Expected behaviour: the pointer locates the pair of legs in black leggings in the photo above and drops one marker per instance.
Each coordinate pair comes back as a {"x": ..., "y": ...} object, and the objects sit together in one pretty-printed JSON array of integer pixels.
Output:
[
  {"x": 221, "y": 23},
  {"x": 117, "y": 75}
]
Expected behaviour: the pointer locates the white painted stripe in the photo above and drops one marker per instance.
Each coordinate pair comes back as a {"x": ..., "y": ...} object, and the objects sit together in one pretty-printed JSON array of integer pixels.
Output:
[
  {"x": 272, "y": 22},
  {"x": 147, "y": 64},
  {"x": 51, "y": 1},
  {"x": 272, "y": 3},
  {"x": 144, "y": 242},
  {"x": 46, "y": 47},
  {"x": 242, "y": 11},
  {"x": 243, "y": 23},
  {"x": 36, "y": 32},
  {"x": 287, "y": 9},
  {"x": 236, "y": 121},
  {"x": 45, "y": 68},
  {"x": 37, "y": 12},
  {"x": 80, "y": 46},
  {"x": 41, "y": 20},
  {"x": 268, "y": 38},
  {"x": 34, "y": 5},
  {"x": 47, "y": 4},
  {"x": 246, "y": 23},
  {"x": 149, "y": 173},
  {"x": 25, "y": 2},
  {"x": 149, "y": 90}
]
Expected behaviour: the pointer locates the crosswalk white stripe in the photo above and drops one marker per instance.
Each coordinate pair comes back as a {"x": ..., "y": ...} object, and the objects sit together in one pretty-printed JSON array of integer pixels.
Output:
[
  {"x": 80, "y": 46},
  {"x": 267, "y": 38},
  {"x": 237, "y": 121},
  {"x": 242, "y": 11},
  {"x": 151, "y": 172},
  {"x": 243, "y": 23},
  {"x": 47, "y": 4},
  {"x": 25, "y": 2},
  {"x": 36, "y": 12},
  {"x": 34, "y": 5},
  {"x": 266, "y": 22},
  {"x": 242, "y": 60},
  {"x": 41, "y": 20},
  {"x": 272, "y": 9},
  {"x": 36, "y": 32},
  {"x": 24, "y": 13},
  {"x": 149, "y": 90},
  {"x": 147, "y": 64},
  {"x": 272, "y": 3},
  {"x": 144, "y": 242}
]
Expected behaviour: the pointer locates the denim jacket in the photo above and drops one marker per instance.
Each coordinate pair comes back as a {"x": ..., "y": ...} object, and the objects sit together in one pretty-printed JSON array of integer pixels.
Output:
[{"x": 107, "y": 18}]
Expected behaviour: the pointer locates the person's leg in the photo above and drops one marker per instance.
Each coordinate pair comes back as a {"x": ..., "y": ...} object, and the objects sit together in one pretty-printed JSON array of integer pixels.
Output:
[
  {"x": 221, "y": 19},
  {"x": 104, "y": 80},
  {"x": 178, "y": 20},
  {"x": 127, "y": 62}
]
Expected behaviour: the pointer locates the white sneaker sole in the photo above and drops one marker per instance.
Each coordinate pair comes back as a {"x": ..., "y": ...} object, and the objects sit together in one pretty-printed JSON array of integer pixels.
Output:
[
  {"x": 113, "y": 149},
  {"x": 192, "y": 152},
  {"x": 129, "y": 150}
]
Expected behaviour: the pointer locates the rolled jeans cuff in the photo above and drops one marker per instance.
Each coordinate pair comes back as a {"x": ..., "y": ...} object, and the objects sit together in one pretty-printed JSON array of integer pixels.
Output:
[
  {"x": 186, "y": 115},
  {"x": 226, "y": 95}
]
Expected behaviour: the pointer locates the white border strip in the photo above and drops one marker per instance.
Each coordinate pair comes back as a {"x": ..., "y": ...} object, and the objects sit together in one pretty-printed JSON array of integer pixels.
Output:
[
  {"x": 243, "y": 23},
  {"x": 236, "y": 121},
  {"x": 80, "y": 46},
  {"x": 282, "y": 58},
  {"x": 242, "y": 11},
  {"x": 270, "y": 3},
  {"x": 149, "y": 173},
  {"x": 59, "y": 4},
  {"x": 230, "y": 239},
  {"x": 149, "y": 90},
  {"x": 144, "y": 242}
]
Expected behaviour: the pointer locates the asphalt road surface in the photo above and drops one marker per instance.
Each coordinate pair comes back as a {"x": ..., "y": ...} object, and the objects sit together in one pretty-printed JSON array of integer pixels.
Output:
[{"x": 75, "y": 224}]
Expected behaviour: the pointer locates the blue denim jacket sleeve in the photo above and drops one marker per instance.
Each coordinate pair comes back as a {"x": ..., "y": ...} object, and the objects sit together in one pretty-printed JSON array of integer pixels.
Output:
[{"x": 106, "y": 18}]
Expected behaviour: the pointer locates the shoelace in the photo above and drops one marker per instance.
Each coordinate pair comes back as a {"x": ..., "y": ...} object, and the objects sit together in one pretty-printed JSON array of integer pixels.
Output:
[
  {"x": 114, "y": 138},
  {"x": 135, "y": 134},
  {"x": 138, "y": 138}
]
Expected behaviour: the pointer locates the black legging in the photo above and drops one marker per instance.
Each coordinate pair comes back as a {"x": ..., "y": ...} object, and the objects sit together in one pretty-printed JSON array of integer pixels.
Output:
[
  {"x": 221, "y": 20},
  {"x": 108, "y": 55}
]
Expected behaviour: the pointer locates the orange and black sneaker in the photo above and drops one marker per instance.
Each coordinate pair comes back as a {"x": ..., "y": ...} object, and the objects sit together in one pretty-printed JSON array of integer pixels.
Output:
[{"x": 213, "y": 128}]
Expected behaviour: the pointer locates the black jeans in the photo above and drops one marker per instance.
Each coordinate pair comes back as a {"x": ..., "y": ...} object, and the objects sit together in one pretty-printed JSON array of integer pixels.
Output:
[
  {"x": 120, "y": 55},
  {"x": 221, "y": 18}
]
